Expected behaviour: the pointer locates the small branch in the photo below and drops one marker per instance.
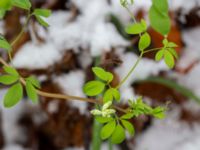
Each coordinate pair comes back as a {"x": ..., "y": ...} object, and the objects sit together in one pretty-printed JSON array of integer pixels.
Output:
[
  {"x": 68, "y": 97},
  {"x": 153, "y": 49},
  {"x": 22, "y": 31},
  {"x": 3, "y": 62},
  {"x": 63, "y": 96},
  {"x": 130, "y": 13},
  {"x": 131, "y": 70},
  {"x": 120, "y": 109},
  {"x": 54, "y": 95}
]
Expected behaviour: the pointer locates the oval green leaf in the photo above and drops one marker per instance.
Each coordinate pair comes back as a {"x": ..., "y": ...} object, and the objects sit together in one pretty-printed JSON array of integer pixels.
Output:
[
  {"x": 93, "y": 88},
  {"x": 169, "y": 59},
  {"x": 103, "y": 119},
  {"x": 118, "y": 135},
  {"x": 31, "y": 92},
  {"x": 42, "y": 12},
  {"x": 13, "y": 95},
  {"x": 11, "y": 70},
  {"x": 5, "y": 45},
  {"x": 159, "y": 21},
  {"x": 24, "y": 4},
  {"x": 41, "y": 21},
  {"x": 34, "y": 81},
  {"x": 144, "y": 42},
  {"x": 8, "y": 79},
  {"x": 107, "y": 130},
  {"x": 129, "y": 127},
  {"x": 135, "y": 28},
  {"x": 159, "y": 55},
  {"x": 102, "y": 74}
]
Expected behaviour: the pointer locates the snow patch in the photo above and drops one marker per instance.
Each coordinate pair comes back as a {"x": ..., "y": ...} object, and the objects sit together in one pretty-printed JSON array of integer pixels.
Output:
[
  {"x": 72, "y": 84},
  {"x": 32, "y": 56}
]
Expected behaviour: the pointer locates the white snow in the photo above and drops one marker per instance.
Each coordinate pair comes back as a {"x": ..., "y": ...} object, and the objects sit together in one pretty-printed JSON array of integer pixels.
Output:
[
  {"x": 191, "y": 80},
  {"x": 185, "y": 5},
  {"x": 92, "y": 34},
  {"x": 53, "y": 106},
  {"x": 10, "y": 128},
  {"x": 171, "y": 134},
  {"x": 89, "y": 31},
  {"x": 72, "y": 84},
  {"x": 40, "y": 56},
  {"x": 126, "y": 94},
  {"x": 192, "y": 50},
  {"x": 145, "y": 68}
]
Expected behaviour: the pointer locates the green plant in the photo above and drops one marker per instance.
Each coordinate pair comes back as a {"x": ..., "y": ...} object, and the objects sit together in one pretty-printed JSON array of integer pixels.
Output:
[{"x": 114, "y": 126}]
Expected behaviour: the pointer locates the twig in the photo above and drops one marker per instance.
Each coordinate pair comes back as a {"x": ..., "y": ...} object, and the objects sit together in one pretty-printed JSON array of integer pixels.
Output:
[{"x": 131, "y": 70}]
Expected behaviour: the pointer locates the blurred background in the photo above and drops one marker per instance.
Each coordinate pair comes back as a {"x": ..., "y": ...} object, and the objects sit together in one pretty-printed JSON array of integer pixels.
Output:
[{"x": 84, "y": 33}]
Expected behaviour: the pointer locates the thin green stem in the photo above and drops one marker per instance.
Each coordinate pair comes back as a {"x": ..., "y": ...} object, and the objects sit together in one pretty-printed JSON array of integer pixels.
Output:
[
  {"x": 22, "y": 30},
  {"x": 131, "y": 15},
  {"x": 96, "y": 139},
  {"x": 19, "y": 35},
  {"x": 110, "y": 146},
  {"x": 135, "y": 65},
  {"x": 131, "y": 70},
  {"x": 153, "y": 49},
  {"x": 10, "y": 56}
]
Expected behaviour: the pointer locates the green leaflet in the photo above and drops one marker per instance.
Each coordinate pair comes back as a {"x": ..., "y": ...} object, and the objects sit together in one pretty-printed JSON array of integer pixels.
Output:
[
  {"x": 13, "y": 95},
  {"x": 42, "y": 12},
  {"x": 34, "y": 81},
  {"x": 5, "y": 4},
  {"x": 11, "y": 77},
  {"x": 128, "y": 126},
  {"x": 39, "y": 13},
  {"x": 11, "y": 70},
  {"x": 173, "y": 52},
  {"x": 111, "y": 94},
  {"x": 8, "y": 79},
  {"x": 168, "y": 53},
  {"x": 31, "y": 92},
  {"x": 24, "y": 4},
  {"x": 159, "y": 19},
  {"x": 169, "y": 59},
  {"x": 93, "y": 88},
  {"x": 161, "y": 5},
  {"x": 103, "y": 119},
  {"x": 108, "y": 129},
  {"x": 127, "y": 116},
  {"x": 159, "y": 55},
  {"x": 102, "y": 74},
  {"x": 158, "y": 112},
  {"x": 4, "y": 44},
  {"x": 145, "y": 41},
  {"x": 138, "y": 107},
  {"x": 136, "y": 28},
  {"x": 41, "y": 21},
  {"x": 118, "y": 135}
]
